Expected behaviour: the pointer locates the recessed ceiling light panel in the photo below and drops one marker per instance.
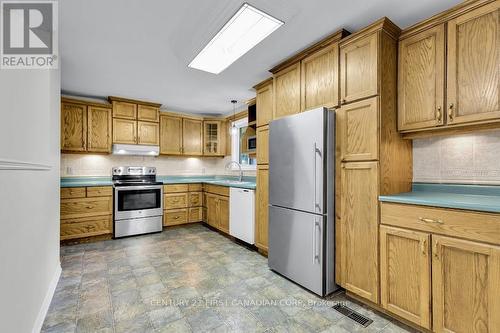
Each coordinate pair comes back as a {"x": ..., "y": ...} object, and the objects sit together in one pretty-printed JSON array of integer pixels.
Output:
[{"x": 247, "y": 28}]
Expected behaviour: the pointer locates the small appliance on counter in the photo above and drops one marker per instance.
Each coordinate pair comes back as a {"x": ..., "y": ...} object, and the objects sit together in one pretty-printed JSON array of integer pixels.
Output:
[
  {"x": 138, "y": 201},
  {"x": 302, "y": 199}
]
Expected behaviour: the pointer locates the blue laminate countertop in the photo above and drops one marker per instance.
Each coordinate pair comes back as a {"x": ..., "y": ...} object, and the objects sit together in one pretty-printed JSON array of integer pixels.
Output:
[
  {"x": 484, "y": 198},
  {"x": 230, "y": 181}
]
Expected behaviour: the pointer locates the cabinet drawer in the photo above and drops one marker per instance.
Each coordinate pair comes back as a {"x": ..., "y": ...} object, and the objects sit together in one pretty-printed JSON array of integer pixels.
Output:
[
  {"x": 195, "y": 214},
  {"x": 72, "y": 192},
  {"x": 175, "y": 200},
  {"x": 86, "y": 227},
  {"x": 221, "y": 190},
  {"x": 99, "y": 191},
  {"x": 175, "y": 216},
  {"x": 195, "y": 187},
  {"x": 450, "y": 222},
  {"x": 86, "y": 207},
  {"x": 175, "y": 188},
  {"x": 195, "y": 199}
]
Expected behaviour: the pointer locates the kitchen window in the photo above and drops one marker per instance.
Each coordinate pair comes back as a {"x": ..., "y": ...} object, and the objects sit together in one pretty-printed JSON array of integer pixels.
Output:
[{"x": 240, "y": 151}]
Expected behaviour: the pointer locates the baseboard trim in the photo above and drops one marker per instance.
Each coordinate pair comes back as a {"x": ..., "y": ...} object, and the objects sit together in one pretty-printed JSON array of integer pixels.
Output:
[
  {"x": 37, "y": 327},
  {"x": 23, "y": 165}
]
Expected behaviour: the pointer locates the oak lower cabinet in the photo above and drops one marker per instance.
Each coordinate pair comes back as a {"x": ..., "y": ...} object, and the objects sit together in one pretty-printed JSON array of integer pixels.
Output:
[
  {"x": 405, "y": 274},
  {"x": 262, "y": 209},
  {"x": 465, "y": 286},
  {"x": 217, "y": 202},
  {"x": 182, "y": 203},
  {"x": 86, "y": 212},
  {"x": 359, "y": 228}
]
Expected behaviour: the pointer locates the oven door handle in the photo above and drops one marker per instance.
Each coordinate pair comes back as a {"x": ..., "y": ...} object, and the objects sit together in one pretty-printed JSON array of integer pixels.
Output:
[{"x": 139, "y": 187}]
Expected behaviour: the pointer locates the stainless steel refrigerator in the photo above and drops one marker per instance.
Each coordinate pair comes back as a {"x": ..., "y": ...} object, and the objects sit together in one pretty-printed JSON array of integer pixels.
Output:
[{"x": 302, "y": 199}]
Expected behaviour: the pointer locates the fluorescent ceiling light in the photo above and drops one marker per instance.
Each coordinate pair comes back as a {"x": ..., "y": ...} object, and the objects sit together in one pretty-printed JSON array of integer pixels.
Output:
[{"x": 247, "y": 28}]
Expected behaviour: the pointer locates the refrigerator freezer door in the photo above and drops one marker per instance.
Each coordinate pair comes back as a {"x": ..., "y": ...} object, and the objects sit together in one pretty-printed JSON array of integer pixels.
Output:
[
  {"x": 296, "y": 249},
  {"x": 296, "y": 161}
]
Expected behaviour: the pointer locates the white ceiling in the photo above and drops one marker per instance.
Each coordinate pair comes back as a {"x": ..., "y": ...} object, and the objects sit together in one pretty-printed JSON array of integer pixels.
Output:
[{"x": 140, "y": 49}]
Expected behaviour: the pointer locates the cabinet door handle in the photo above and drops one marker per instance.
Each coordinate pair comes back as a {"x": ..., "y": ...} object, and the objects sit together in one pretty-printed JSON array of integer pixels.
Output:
[
  {"x": 450, "y": 112},
  {"x": 439, "y": 115},
  {"x": 427, "y": 220},
  {"x": 435, "y": 250},
  {"x": 423, "y": 247},
  {"x": 90, "y": 207}
]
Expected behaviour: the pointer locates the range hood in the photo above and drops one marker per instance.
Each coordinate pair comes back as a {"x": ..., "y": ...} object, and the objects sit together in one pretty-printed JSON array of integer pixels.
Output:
[{"x": 141, "y": 150}]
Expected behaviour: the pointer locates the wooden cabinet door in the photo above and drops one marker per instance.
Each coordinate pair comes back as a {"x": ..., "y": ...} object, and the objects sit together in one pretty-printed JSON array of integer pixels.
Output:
[
  {"x": 124, "y": 131},
  {"x": 320, "y": 84},
  {"x": 212, "y": 210},
  {"x": 148, "y": 113},
  {"x": 473, "y": 75},
  {"x": 264, "y": 101},
  {"x": 359, "y": 125},
  {"x": 262, "y": 202},
  {"x": 148, "y": 133},
  {"x": 192, "y": 136},
  {"x": 405, "y": 274},
  {"x": 359, "y": 218},
  {"x": 358, "y": 68},
  {"x": 212, "y": 138},
  {"x": 465, "y": 286},
  {"x": 421, "y": 80},
  {"x": 124, "y": 110},
  {"x": 223, "y": 213},
  {"x": 170, "y": 135},
  {"x": 263, "y": 145},
  {"x": 73, "y": 127},
  {"x": 99, "y": 129},
  {"x": 287, "y": 91}
]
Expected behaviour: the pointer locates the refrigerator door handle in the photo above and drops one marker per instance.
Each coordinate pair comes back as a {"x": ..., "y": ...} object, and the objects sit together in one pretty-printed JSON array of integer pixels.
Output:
[
  {"x": 316, "y": 206},
  {"x": 316, "y": 238}
]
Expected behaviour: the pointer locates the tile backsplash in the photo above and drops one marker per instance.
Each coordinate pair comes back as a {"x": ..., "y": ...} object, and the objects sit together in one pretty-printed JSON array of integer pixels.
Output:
[
  {"x": 468, "y": 159},
  {"x": 100, "y": 165}
]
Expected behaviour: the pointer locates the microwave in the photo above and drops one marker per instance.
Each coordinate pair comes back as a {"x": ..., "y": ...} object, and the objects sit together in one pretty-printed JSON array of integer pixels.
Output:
[{"x": 252, "y": 143}]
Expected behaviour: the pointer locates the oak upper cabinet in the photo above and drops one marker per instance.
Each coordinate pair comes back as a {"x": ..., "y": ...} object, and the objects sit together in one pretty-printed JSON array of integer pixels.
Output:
[
  {"x": 262, "y": 209},
  {"x": 466, "y": 288},
  {"x": 405, "y": 274},
  {"x": 359, "y": 68},
  {"x": 192, "y": 136},
  {"x": 124, "y": 110},
  {"x": 421, "y": 101},
  {"x": 99, "y": 129},
  {"x": 73, "y": 127},
  {"x": 264, "y": 102},
  {"x": 148, "y": 113},
  {"x": 359, "y": 130},
  {"x": 263, "y": 145},
  {"x": 124, "y": 131},
  {"x": 286, "y": 97},
  {"x": 148, "y": 133},
  {"x": 171, "y": 135},
  {"x": 213, "y": 138},
  {"x": 319, "y": 83},
  {"x": 473, "y": 62},
  {"x": 359, "y": 225}
]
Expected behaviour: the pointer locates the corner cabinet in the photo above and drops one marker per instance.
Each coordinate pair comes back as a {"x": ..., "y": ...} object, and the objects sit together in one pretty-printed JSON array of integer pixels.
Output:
[
  {"x": 466, "y": 42},
  {"x": 214, "y": 138}
]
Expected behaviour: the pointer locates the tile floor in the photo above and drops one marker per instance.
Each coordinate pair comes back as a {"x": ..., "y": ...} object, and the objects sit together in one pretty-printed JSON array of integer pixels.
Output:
[{"x": 187, "y": 279}]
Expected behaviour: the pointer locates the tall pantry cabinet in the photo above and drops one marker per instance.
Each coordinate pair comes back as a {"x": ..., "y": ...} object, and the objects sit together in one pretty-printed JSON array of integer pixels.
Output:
[{"x": 374, "y": 159}]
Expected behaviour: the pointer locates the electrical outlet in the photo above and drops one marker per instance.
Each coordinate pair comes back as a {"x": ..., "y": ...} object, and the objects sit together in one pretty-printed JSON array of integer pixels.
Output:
[{"x": 69, "y": 170}]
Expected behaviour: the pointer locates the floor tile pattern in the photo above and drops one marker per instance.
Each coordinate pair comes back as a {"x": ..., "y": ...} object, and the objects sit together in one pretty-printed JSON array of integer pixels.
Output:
[{"x": 188, "y": 279}]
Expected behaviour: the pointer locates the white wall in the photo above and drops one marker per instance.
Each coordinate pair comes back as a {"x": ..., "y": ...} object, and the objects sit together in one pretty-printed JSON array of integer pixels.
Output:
[
  {"x": 29, "y": 196},
  {"x": 100, "y": 165},
  {"x": 468, "y": 159}
]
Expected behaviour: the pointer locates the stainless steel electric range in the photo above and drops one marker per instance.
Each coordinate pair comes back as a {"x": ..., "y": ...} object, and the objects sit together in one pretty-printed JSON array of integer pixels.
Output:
[{"x": 138, "y": 201}]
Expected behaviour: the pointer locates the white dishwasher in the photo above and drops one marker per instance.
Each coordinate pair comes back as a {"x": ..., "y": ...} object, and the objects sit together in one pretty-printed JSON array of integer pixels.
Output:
[{"x": 242, "y": 214}]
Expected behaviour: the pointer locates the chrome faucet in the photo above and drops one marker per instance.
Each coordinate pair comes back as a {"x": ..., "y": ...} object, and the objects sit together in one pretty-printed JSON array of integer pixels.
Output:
[{"x": 239, "y": 166}]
